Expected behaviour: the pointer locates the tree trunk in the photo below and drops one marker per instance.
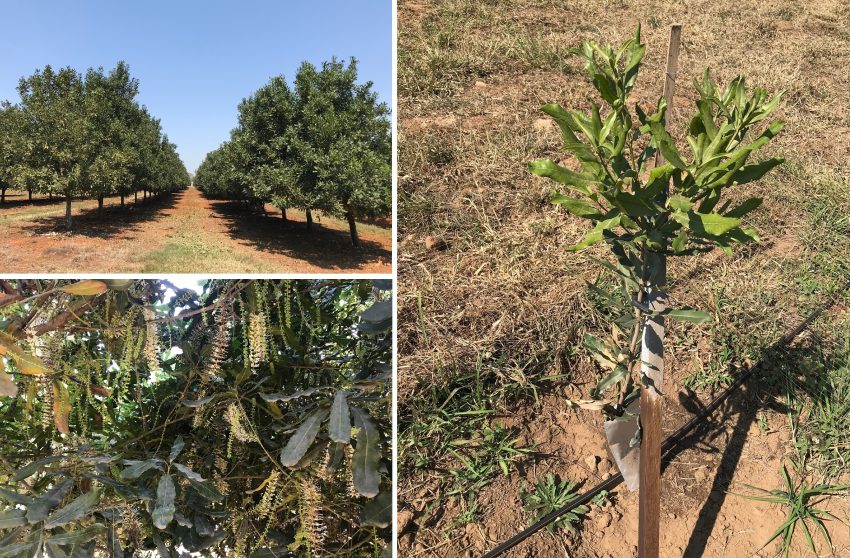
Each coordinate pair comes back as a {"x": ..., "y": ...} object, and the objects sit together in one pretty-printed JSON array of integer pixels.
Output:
[
  {"x": 68, "y": 211},
  {"x": 352, "y": 228},
  {"x": 3, "y": 195},
  {"x": 309, "y": 220},
  {"x": 30, "y": 194},
  {"x": 122, "y": 200},
  {"x": 100, "y": 205},
  {"x": 136, "y": 196},
  {"x": 283, "y": 215},
  {"x": 50, "y": 196}
]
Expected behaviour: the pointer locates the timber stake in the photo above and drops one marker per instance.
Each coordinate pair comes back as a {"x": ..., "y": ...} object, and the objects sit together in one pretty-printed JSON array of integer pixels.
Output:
[{"x": 652, "y": 361}]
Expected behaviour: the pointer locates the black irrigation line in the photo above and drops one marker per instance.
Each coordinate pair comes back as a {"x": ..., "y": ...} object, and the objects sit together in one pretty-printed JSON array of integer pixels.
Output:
[{"x": 673, "y": 439}]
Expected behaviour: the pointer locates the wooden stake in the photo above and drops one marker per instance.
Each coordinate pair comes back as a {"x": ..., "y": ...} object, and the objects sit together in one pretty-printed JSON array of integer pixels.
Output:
[{"x": 652, "y": 364}]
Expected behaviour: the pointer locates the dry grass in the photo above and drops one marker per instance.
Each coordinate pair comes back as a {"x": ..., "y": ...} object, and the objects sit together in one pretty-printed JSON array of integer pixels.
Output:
[{"x": 504, "y": 295}]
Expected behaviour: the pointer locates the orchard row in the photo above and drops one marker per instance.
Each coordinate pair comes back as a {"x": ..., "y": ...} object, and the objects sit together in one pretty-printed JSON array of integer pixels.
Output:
[
  {"x": 322, "y": 143},
  {"x": 75, "y": 135}
]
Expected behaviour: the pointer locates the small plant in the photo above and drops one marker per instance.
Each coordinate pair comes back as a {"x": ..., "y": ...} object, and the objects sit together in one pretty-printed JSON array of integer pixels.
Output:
[
  {"x": 645, "y": 211},
  {"x": 549, "y": 494},
  {"x": 800, "y": 501}
]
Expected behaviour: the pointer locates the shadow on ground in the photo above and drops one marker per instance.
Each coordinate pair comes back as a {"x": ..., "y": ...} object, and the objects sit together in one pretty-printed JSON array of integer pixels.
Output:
[
  {"x": 113, "y": 221},
  {"x": 322, "y": 246},
  {"x": 713, "y": 437}
]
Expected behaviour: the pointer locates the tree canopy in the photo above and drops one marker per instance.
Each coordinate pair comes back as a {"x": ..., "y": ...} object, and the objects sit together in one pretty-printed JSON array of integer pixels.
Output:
[
  {"x": 322, "y": 143},
  {"x": 85, "y": 136},
  {"x": 244, "y": 418}
]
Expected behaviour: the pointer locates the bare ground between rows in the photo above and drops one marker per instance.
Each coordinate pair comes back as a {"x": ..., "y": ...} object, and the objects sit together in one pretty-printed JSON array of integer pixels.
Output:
[{"x": 122, "y": 240}]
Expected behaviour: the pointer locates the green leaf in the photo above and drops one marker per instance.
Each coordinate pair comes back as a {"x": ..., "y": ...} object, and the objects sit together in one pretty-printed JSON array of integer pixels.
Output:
[
  {"x": 366, "y": 458},
  {"x": 176, "y": 448},
  {"x": 29, "y": 470},
  {"x": 571, "y": 179},
  {"x": 666, "y": 145},
  {"x": 187, "y": 472},
  {"x": 706, "y": 224},
  {"x": 578, "y": 208},
  {"x": 16, "y": 549},
  {"x": 339, "y": 424},
  {"x": 680, "y": 242},
  {"x": 578, "y": 148},
  {"x": 163, "y": 511},
  {"x": 38, "y": 510},
  {"x": 617, "y": 375},
  {"x": 378, "y": 512},
  {"x": 73, "y": 511},
  {"x": 206, "y": 490},
  {"x": 14, "y": 497},
  {"x": 596, "y": 233},
  {"x": 12, "y": 518},
  {"x": 302, "y": 439},
  {"x": 139, "y": 468},
  {"x": 689, "y": 315},
  {"x": 78, "y": 537}
]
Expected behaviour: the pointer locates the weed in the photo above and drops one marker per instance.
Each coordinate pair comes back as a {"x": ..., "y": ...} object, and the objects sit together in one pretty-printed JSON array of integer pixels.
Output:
[
  {"x": 549, "y": 494},
  {"x": 800, "y": 501}
]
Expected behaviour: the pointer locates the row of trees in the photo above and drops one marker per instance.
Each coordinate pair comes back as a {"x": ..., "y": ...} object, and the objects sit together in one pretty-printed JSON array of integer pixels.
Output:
[
  {"x": 323, "y": 143},
  {"x": 77, "y": 135}
]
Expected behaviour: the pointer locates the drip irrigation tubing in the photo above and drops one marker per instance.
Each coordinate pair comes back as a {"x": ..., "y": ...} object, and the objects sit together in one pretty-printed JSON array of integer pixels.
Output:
[{"x": 673, "y": 439}]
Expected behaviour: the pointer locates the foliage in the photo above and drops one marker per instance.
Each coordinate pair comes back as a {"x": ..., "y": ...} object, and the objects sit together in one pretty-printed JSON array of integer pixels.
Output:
[
  {"x": 251, "y": 418},
  {"x": 646, "y": 211},
  {"x": 76, "y": 135},
  {"x": 551, "y": 494},
  {"x": 800, "y": 501},
  {"x": 323, "y": 143}
]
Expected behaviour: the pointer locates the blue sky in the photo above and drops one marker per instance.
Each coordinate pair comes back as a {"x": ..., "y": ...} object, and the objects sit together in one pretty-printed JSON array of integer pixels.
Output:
[{"x": 195, "y": 60}]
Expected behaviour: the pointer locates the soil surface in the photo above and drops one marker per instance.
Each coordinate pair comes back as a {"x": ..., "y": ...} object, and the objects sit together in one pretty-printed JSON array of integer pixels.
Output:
[{"x": 181, "y": 233}]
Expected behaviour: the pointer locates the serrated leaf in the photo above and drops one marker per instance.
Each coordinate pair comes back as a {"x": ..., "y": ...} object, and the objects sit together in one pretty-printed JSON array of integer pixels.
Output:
[
  {"x": 617, "y": 375},
  {"x": 339, "y": 424},
  {"x": 78, "y": 537},
  {"x": 163, "y": 511},
  {"x": 187, "y": 472},
  {"x": 366, "y": 458},
  {"x": 12, "y": 518},
  {"x": 30, "y": 469},
  {"x": 85, "y": 288},
  {"x": 15, "y": 498},
  {"x": 378, "y": 512},
  {"x": 302, "y": 439},
  {"x": 139, "y": 468},
  {"x": 73, "y": 511},
  {"x": 16, "y": 549},
  {"x": 274, "y": 397},
  {"x": 38, "y": 510},
  {"x": 176, "y": 448},
  {"x": 206, "y": 490},
  {"x": 571, "y": 179},
  {"x": 578, "y": 208}
]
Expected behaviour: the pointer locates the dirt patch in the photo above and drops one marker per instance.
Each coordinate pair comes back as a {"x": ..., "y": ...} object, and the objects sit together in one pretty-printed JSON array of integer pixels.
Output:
[{"x": 155, "y": 235}]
